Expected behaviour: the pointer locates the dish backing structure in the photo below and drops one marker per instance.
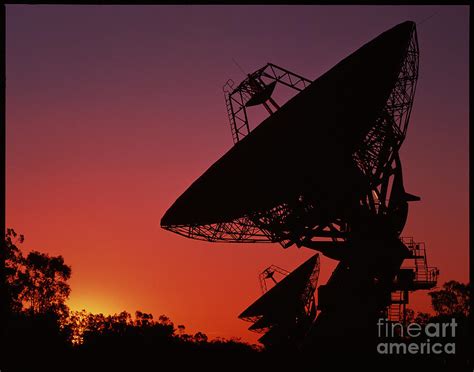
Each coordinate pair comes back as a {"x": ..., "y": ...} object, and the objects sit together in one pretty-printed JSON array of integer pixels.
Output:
[{"x": 322, "y": 171}]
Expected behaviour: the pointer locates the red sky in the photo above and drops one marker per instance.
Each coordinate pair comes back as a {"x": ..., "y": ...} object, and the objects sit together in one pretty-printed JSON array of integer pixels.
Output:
[{"x": 112, "y": 111}]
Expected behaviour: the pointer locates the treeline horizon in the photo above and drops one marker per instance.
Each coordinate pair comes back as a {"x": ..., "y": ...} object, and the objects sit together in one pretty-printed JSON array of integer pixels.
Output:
[{"x": 41, "y": 326}]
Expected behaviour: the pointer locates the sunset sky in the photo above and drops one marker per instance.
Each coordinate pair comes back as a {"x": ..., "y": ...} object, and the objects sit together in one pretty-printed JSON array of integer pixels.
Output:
[{"x": 112, "y": 111}]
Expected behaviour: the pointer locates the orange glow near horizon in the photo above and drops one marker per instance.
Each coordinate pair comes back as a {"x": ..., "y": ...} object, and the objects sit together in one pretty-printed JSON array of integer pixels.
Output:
[
  {"x": 112, "y": 112},
  {"x": 95, "y": 304}
]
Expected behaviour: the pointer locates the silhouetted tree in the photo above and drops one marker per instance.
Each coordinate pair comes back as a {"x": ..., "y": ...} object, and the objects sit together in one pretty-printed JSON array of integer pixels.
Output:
[
  {"x": 13, "y": 266},
  {"x": 143, "y": 319},
  {"x": 449, "y": 303},
  {"x": 37, "y": 282},
  {"x": 200, "y": 337},
  {"x": 45, "y": 330},
  {"x": 45, "y": 283},
  {"x": 37, "y": 290},
  {"x": 452, "y": 299}
]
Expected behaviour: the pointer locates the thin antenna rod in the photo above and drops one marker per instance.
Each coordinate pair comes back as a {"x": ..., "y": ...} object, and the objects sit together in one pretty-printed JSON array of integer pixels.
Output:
[
  {"x": 240, "y": 68},
  {"x": 428, "y": 17}
]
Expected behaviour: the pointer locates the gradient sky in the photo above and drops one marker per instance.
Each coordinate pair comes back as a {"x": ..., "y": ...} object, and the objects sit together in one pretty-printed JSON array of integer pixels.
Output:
[{"x": 112, "y": 111}]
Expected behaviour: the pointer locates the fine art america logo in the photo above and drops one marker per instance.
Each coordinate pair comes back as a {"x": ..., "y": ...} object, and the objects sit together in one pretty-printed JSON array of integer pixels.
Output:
[{"x": 414, "y": 338}]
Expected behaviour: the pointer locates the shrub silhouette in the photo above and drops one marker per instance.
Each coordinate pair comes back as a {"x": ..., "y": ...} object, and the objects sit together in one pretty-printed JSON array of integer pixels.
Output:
[{"x": 42, "y": 333}]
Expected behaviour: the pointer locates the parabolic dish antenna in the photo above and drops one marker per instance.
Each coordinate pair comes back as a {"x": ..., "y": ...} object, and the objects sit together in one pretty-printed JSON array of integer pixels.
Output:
[
  {"x": 297, "y": 174},
  {"x": 321, "y": 171},
  {"x": 288, "y": 308}
]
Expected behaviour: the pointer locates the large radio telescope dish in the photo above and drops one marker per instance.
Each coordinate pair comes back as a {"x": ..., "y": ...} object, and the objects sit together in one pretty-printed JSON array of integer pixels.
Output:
[
  {"x": 297, "y": 174},
  {"x": 322, "y": 171}
]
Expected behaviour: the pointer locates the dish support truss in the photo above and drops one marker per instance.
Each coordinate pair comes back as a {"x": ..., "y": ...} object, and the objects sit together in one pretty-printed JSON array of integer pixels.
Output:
[{"x": 257, "y": 89}]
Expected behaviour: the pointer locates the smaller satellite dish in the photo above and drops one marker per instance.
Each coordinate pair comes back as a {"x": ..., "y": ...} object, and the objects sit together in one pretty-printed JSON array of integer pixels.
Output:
[
  {"x": 288, "y": 308},
  {"x": 262, "y": 96}
]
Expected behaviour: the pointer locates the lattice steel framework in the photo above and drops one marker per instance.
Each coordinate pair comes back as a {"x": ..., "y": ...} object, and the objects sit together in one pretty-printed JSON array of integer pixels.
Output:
[
  {"x": 258, "y": 82},
  {"x": 298, "y": 221},
  {"x": 306, "y": 299},
  {"x": 269, "y": 274},
  {"x": 377, "y": 158}
]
